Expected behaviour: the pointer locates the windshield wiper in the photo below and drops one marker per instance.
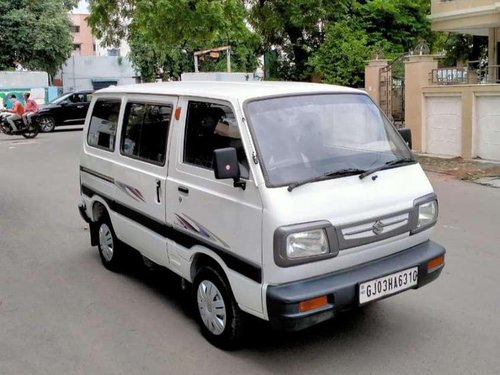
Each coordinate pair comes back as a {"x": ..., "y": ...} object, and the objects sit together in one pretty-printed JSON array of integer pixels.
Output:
[
  {"x": 387, "y": 165},
  {"x": 326, "y": 176}
]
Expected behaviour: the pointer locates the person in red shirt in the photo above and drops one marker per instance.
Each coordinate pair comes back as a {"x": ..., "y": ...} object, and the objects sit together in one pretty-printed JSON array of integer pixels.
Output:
[
  {"x": 17, "y": 111},
  {"x": 30, "y": 108}
]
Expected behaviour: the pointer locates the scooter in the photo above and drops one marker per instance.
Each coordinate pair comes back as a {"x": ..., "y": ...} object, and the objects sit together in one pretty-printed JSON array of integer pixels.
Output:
[{"x": 30, "y": 130}]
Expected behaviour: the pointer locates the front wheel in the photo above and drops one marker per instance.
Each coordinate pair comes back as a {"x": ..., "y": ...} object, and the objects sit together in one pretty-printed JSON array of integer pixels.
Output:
[
  {"x": 47, "y": 124},
  {"x": 4, "y": 127},
  {"x": 110, "y": 248},
  {"x": 217, "y": 312}
]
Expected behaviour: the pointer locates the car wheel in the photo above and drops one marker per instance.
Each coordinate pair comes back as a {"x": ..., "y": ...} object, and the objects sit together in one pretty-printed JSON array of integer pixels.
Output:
[
  {"x": 110, "y": 248},
  {"x": 217, "y": 312},
  {"x": 47, "y": 124}
]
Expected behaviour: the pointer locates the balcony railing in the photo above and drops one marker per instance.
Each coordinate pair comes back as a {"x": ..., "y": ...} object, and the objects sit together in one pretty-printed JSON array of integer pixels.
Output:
[{"x": 465, "y": 76}]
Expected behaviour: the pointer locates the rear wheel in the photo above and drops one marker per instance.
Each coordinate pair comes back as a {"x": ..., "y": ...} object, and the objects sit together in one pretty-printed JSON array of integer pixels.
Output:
[
  {"x": 47, "y": 124},
  {"x": 217, "y": 312},
  {"x": 110, "y": 248},
  {"x": 31, "y": 131}
]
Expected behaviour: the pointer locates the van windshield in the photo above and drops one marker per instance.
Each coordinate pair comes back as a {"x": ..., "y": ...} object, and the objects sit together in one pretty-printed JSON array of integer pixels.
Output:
[{"x": 307, "y": 137}]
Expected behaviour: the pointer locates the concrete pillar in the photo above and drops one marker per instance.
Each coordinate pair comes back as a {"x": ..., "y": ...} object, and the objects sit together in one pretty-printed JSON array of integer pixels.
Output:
[
  {"x": 468, "y": 103},
  {"x": 418, "y": 69},
  {"x": 492, "y": 55},
  {"x": 372, "y": 78}
]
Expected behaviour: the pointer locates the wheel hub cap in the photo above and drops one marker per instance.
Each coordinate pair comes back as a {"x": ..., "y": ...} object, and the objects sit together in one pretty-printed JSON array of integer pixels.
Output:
[
  {"x": 106, "y": 242},
  {"x": 211, "y": 307}
]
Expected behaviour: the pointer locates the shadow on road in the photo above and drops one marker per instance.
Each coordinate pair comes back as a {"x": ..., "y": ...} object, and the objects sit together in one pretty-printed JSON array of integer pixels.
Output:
[
  {"x": 259, "y": 335},
  {"x": 65, "y": 129}
]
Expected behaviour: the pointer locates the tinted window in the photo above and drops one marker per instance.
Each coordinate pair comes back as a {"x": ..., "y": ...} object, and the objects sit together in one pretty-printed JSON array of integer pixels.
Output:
[
  {"x": 145, "y": 130},
  {"x": 103, "y": 122},
  {"x": 209, "y": 127}
]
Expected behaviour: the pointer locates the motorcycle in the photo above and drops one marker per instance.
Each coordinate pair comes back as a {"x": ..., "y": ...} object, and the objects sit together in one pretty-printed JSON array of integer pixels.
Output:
[{"x": 30, "y": 130}]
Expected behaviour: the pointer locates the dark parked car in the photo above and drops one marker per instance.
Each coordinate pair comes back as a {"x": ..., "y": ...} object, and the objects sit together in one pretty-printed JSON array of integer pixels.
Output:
[{"x": 68, "y": 109}]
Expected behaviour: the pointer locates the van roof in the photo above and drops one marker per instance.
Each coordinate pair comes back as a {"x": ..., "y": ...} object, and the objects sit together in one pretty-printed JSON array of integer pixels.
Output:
[{"x": 228, "y": 90}]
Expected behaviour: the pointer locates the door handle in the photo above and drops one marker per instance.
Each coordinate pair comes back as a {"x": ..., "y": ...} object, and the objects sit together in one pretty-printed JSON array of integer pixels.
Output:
[
  {"x": 183, "y": 190},
  {"x": 158, "y": 188},
  {"x": 79, "y": 106}
]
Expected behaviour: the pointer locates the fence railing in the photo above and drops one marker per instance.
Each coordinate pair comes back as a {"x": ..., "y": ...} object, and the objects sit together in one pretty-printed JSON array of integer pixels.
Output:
[{"x": 465, "y": 76}]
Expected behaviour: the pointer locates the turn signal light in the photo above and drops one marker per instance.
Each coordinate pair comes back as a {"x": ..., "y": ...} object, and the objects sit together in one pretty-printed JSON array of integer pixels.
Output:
[
  {"x": 178, "y": 113},
  {"x": 434, "y": 263},
  {"x": 312, "y": 304}
]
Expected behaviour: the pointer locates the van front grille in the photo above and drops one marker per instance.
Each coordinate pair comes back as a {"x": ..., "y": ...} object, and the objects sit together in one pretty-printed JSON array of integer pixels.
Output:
[{"x": 372, "y": 230}]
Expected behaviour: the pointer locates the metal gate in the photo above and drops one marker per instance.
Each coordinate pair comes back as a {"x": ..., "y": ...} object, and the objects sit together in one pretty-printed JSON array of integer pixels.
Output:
[{"x": 392, "y": 90}]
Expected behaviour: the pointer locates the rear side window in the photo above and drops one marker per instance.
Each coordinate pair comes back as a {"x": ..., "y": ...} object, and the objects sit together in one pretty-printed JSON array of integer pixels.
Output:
[
  {"x": 211, "y": 126},
  {"x": 145, "y": 131},
  {"x": 103, "y": 123}
]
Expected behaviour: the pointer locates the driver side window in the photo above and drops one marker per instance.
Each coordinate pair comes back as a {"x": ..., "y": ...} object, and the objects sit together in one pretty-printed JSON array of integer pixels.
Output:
[{"x": 210, "y": 126}]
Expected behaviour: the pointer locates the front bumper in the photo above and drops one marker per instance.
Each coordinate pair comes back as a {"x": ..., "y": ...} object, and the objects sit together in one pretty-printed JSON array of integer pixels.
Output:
[{"x": 341, "y": 288}]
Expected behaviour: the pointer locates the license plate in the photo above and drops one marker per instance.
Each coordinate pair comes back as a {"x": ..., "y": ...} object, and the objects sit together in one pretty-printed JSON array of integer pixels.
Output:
[{"x": 387, "y": 285}]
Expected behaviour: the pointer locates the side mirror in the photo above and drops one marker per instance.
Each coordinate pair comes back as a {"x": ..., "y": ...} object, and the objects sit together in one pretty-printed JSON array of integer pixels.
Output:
[
  {"x": 406, "y": 134},
  {"x": 226, "y": 166},
  {"x": 64, "y": 103}
]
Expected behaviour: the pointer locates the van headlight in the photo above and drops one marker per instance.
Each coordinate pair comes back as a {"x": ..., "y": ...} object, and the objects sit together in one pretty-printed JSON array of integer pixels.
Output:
[
  {"x": 307, "y": 244},
  {"x": 425, "y": 213},
  {"x": 304, "y": 243}
]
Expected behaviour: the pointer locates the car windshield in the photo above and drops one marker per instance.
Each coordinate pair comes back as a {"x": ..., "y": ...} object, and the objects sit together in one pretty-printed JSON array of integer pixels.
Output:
[
  {"x": 59, "y": 99},
  {"x": 71, "y": 97},
  {"x": 310, "y": 136}
]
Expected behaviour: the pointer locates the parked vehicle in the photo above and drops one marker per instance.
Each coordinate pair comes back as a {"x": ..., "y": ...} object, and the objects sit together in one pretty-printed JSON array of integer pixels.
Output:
[
  {"x": 286, "y": 201},
  {"x": 68, "y": 109},
  {"x": 26, "y": 130}
]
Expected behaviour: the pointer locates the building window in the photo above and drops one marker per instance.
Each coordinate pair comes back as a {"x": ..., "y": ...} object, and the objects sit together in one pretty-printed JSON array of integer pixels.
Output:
[
  {"x": 113, "y": 52},
  {"x": 75, "y": 28},
  {"x": 76, "y": 47}
]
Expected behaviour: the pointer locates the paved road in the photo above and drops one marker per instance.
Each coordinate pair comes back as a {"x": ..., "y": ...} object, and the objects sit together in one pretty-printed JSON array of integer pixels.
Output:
[{"x": 61, "y": 312}]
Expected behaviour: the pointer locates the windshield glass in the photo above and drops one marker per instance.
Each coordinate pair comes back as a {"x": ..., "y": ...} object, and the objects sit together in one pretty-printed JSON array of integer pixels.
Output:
[
  {"x": 303, "y": 137},
  {"x": 60, "y": 98}
]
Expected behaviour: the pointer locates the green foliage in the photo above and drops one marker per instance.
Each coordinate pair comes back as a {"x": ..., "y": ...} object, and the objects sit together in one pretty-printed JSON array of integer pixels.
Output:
[
  {"x": 298, "y": 30},
  {"x": 342, "y": 56},
  {"x": 163, "y": 34},
  {"x": 294, "y": 28},
  {"x": 34, "y": 34},
  {"x": 396, "y": 25}
]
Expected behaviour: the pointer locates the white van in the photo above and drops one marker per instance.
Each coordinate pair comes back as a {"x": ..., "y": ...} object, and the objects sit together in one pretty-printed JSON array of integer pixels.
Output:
[{"x": 287, "y": 201}]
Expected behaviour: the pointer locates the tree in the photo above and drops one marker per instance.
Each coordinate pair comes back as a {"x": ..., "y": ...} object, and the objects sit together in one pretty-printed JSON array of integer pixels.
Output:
[
  {"x": 342, "y": 56},
  {"x": 163, "y": 34},
  {"x": 298, "y": 29},
  {"x": 397, "y": 25},
  {"x": 35, "y": 34},
  {"x": 295, "y": 29}
]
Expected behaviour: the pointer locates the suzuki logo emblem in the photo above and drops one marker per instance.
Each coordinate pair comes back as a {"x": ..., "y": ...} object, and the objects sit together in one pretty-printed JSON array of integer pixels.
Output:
[{"x": 378, "y": 227}]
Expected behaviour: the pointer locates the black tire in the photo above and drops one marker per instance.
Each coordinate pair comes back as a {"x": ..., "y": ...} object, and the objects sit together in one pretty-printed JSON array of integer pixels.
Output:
[
  {"x": 111, "y": 249},
  {"x": 32, "y": 131},
  {"x": 47, "y": 124},
  {"x": 223, "y": 328}
]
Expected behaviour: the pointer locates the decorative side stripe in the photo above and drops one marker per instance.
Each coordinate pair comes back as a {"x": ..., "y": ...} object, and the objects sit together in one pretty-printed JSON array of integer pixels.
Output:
[
  {"x": 131, "y": 191},
  {"x": 97, "y": 174},
  {"x": 239, "y": 265}
]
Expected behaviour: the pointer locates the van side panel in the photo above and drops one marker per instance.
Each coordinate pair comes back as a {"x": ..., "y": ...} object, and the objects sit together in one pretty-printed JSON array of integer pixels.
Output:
[{"x": 214, "y": 215}]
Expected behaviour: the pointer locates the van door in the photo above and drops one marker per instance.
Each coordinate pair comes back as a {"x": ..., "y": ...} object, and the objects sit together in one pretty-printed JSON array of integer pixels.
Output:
[
  {"x": 141, "y": 172},
  {"x": 207, "y": 211}
]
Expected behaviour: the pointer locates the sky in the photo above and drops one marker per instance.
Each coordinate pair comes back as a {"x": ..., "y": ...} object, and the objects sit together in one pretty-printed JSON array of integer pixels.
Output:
[{"x": 82, "y": 7}]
